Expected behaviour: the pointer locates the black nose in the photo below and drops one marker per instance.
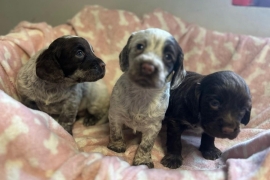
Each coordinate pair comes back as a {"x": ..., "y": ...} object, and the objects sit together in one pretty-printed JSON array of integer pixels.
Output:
[
  {"x": 102, "y": 65},
  {"x": 147, "y": 68}
]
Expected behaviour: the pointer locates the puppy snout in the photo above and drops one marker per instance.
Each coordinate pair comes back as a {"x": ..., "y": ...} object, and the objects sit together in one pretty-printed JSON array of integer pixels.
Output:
[
  {"x": 147, "y": 68},
  {"x": 102, "y": 65}
]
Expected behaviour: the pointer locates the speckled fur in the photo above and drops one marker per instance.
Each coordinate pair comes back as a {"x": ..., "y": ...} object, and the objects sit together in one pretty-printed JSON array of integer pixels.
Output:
[
  {"x": 66, "y": 99},
  {"x": 139, "y": 105}
]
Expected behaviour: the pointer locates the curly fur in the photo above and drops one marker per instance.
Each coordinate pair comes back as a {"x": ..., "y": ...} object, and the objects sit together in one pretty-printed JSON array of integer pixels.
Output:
[{"x": 216, "y": 103}]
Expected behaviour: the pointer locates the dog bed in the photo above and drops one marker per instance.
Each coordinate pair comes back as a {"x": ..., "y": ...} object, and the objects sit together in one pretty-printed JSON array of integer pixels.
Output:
[{"x": 34, "y": 146}]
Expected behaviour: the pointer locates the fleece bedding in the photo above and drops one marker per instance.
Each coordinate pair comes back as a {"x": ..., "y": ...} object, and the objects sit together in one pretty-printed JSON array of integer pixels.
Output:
[{"x": 35, "y": 146}]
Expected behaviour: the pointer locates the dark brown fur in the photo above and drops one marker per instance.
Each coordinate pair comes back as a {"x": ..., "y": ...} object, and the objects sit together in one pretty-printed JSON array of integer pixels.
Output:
[
  {"x": 60, "y": 80},
  {"x": 60, "y": 61},
  {"x": 217, "y": 103}
]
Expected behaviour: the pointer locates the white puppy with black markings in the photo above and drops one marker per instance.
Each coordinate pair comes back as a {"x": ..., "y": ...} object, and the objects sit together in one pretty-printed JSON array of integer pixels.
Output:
[{"x": 152, "y": 62}]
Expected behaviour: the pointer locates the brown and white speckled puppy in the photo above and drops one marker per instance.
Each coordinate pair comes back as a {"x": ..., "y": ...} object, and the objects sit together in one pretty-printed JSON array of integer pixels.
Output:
[
  {"x": 216, "y": 103},
  {"x": 152, "y": 62},
  {"x": 59, "y": 80}
]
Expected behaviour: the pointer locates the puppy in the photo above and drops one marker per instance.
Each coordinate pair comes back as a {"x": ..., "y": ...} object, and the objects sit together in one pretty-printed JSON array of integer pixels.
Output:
[
  {"x": 152, "y": 61},
  {"x": 59, "y": 80},
  {"x": 217, "y": 103}
]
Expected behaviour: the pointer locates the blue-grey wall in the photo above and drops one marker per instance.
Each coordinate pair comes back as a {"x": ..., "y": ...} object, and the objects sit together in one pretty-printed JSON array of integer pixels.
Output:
[{"x": 213, "y": 14}]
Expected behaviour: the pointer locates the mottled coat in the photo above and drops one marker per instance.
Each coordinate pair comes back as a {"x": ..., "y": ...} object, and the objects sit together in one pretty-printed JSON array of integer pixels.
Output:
[
  {"x": 59, "y": 81},
  {"x": 152, "y": 62}
]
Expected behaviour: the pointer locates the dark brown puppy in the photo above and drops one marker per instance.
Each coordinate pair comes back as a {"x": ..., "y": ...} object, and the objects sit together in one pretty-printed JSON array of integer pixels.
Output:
[
  {"x": 62, "y": 80},
  {"x": 217, "y": 103}
]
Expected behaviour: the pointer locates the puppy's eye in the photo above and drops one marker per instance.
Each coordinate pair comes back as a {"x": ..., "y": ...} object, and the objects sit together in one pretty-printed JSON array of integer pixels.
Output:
[
  {"x": 140, "y": 47},
  {"x": 215, "y": 104},
  {"x": 79, "y": 54},
  {"x": 168, "y": 57}
]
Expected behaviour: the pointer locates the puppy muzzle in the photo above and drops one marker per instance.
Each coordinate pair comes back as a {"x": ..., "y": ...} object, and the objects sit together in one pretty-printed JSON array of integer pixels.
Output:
[
  {"x": 101, "y": 69},
  {"x": 147, "y": 68},
  {"x": 90, "y": 72},
  {"x": 226, "y": 131},
  {"x": 146, "y": 72}
]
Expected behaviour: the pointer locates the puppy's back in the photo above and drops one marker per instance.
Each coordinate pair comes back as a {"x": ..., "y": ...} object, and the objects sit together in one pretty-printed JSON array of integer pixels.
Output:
[{"x": 26, "y": 77}]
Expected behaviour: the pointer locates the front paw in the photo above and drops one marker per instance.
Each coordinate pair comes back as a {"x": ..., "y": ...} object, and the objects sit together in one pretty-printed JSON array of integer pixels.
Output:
[
  {"x": 211, "y": 153},
  {"x": 172, "y": 161},
  {"x": 90, "y": 120},
  {"x": 118, "y": 147},
  {"x": 149, "y": 164}
]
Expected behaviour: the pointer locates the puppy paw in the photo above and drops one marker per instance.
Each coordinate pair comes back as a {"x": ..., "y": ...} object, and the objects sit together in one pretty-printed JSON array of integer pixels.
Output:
[
  {"x": 149, "y": 164},
  {"x": 118, "y": 147},
  {"x": 172, "y": 161},
  {"x": 211, "y": 153},
  {"x": 90, "y": 120}
]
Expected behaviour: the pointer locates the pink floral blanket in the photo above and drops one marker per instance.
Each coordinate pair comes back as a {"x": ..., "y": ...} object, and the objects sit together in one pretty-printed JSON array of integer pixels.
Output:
[{"x": 34, "y": 146}]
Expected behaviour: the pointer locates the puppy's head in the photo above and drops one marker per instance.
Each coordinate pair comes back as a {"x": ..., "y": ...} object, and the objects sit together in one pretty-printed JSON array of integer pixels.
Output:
[
  {"x": 151, "y": 58},
  {"x": 224, "y": 103},
  {"x": 69, "y": 58}
]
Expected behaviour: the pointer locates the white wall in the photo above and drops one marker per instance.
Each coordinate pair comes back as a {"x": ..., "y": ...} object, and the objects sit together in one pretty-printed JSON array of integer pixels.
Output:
[{"x": 213, "y": 14}]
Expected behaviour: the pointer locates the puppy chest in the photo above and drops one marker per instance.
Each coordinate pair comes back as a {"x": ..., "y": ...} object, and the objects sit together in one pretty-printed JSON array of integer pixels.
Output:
[
  {"x": 54, "y": 103},
  {"x": 144, "y": 116},
  {"x": 138, "y": 107},
  {"x": 139, "y": 122},
  {"x": 142, "y": 108},
  {"x": 52, "y": 109},
  {"x": 50, "y": 99}
]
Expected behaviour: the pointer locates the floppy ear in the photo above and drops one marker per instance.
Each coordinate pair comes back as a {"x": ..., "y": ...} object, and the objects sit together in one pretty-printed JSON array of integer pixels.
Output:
[
  {"x": 123, "y": 56},
  {"x": 193, "y": 99},
  {"x": 179, "y": 71},
  {"x": 48, "y": 68},
  {"x": 246, "y": 117}
]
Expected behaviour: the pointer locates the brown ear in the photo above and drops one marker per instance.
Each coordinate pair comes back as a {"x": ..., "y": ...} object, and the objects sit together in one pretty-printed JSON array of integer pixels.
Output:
[
  {"x": 123, "y": 56},
  {"x": 194, "y": 98},
  {"x": 48, "y": 68},
  {"x": 246, "y": 118},
  {"x": 179, "y": 71}
]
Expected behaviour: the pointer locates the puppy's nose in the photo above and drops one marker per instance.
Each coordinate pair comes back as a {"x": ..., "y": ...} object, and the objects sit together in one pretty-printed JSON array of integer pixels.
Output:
[
  {"x": 147, "y": 68},
  {"x": 227, "y": 130},
  {"x": 102, "y": 65}
]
